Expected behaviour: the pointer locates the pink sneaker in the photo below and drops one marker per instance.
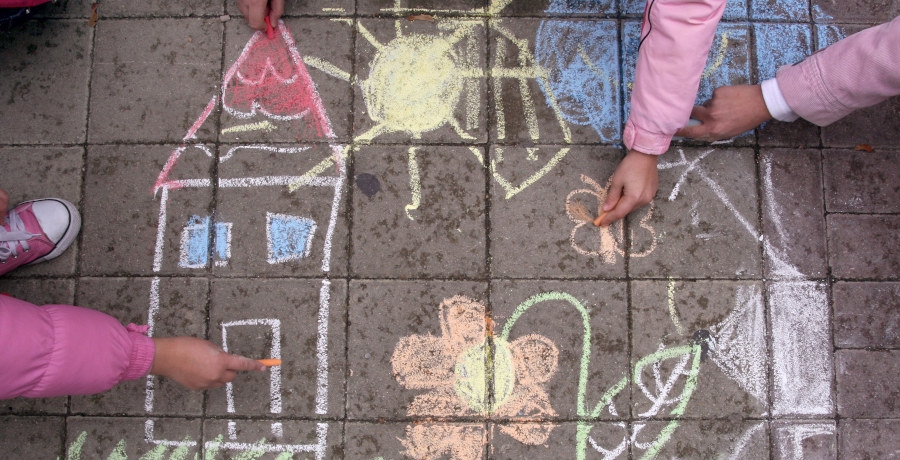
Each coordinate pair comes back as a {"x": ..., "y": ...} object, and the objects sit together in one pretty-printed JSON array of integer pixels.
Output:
[{"x": 35, "y": 231}]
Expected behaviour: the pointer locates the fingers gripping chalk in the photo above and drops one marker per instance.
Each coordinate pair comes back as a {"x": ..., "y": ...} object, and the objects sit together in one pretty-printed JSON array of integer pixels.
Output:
[{"x": 270, "y": 362}]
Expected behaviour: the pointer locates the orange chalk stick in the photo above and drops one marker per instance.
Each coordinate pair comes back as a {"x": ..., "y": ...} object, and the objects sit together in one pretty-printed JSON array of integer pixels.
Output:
[
  {"x": 270, "y": 362},
  {"x": 599, "y": 218}
]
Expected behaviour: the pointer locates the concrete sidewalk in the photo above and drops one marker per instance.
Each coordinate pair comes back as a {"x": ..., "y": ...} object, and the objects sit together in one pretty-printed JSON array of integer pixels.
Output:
[{"x": 391, "y": 197}]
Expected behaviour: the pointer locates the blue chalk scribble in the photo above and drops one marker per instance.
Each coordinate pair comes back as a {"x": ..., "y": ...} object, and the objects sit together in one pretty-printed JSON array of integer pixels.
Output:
[
  {"x": 780, "y": 10},
  {"x": 582, "y": 6},
  {"x": 583, "y": 62},
  {"x": 780, "y": 44}
]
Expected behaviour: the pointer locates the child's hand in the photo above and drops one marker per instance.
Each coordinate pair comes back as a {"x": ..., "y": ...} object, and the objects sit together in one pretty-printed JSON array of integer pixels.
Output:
[
  {"x": 255, "y": 12},
  {"x": 633, "y": 185},
  {"x": 731, "y": 111},
  {"x": 198, "y": 364}
]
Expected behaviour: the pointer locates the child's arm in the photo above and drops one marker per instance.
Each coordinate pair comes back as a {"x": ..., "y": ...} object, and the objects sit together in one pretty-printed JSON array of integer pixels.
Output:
[
  {"x": 58, "y": 350},
  {"x": 677, "y": 35}
]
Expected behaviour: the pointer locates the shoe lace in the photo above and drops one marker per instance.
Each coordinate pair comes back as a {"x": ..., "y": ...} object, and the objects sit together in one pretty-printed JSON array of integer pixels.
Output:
[{"x": 16, "y": 236}]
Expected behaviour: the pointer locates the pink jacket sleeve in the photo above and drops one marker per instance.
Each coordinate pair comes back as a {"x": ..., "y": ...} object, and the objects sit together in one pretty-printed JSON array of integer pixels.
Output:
[
  {"x": 858, "y": 71},
  {"x": 58, "y": 350},
  {"x": 677, "y": 35},
  {"x": 21, "y": 3}
]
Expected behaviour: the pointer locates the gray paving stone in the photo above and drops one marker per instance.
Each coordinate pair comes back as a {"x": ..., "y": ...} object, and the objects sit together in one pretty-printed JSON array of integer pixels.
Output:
[
  {"x": 64, "y": 9},
  {"x": 182, "y": 312},
  {"x": 518, "y": 440},
  {"x": 862, "y": 182},
  {"x": 101, "y": 437},
  {"x": 867, "y": 384},
  {"x": 704, "y": 220},
  {"x": 384, "y": 439},
  {"x": 413, "y": 314},
  {"x": 866, "y": 314},
  {"x": 399, "y": 232},
  {"x": 159, "y": 8},
  {"x": 537, "y": 227},
  {"x": 45, "y": 78},
  {"x": 799, "y": 134},
  {"x": 32, "y": 437},
  {"x": 155, "y": 98},
  {"x": 857, "y": 246},
  {"x": 668, "y": 317},
  {"x": 773, "y": 10},
  {"x": 858, "y": 11},
  {"x": 869, "y": 438},
  {"x": 121, "y": 210},
  {"x": 876, "y": 126},
  {"x": 792, "y": 213},
  {"x": 370, "y": 440},
  {"x": 296, "y": 320}
]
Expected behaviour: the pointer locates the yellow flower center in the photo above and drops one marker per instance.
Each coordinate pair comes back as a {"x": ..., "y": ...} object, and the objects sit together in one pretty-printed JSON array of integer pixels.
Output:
[{"x": 485, "y": 375}]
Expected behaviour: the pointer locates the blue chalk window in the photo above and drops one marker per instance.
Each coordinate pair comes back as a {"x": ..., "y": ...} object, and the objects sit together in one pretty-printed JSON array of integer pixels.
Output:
[
  {"x": 195, "y": 241},
  {"x": 288, "y": 237}
]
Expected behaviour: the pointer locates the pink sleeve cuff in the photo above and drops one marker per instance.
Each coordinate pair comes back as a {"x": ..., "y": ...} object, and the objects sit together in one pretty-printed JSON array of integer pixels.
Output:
[
  {"x": 644, "y": 141},
  {"x": 142, "y": 353}
]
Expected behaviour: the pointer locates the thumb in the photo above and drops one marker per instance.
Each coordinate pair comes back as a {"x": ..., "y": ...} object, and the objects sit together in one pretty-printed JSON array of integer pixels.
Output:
[
  {"x": 612, "y": 197},
  {"x": 241, "y": 363}
]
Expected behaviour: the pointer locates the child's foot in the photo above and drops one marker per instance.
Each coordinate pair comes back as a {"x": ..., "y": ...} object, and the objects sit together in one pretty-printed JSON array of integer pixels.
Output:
[{"x": 35, "y": 231}]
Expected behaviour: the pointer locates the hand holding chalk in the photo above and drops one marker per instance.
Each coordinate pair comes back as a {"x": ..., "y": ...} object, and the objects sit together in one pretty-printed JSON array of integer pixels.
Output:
[
  {"x": 262, "y": 14},
  {"x": 198, "y": 364},
  {"x": 270, "y": 362},
  {"x": 633, "y": 185},
  {"x": 599, "y": 220}
]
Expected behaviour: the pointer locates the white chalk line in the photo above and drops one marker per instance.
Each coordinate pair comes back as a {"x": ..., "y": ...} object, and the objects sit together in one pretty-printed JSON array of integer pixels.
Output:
[
  {"x": 160, "y": 230},
  {"x": 322, "y": 348},
  {"x": 150, "y": 383},
  {"x": 318, "y": 448}
]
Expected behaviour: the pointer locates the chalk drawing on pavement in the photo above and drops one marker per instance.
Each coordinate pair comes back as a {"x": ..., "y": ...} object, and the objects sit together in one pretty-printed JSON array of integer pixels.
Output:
[
  {"x": 451, "y": 368},
  {"x": 267, "y": 88}
]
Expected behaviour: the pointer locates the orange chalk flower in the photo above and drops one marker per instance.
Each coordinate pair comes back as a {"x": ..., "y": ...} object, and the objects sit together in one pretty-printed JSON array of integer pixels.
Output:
[{"x": 468, "y": 372}]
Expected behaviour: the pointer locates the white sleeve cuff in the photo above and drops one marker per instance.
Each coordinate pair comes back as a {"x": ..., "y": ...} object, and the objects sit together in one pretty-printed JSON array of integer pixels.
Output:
[{"x": 778, "y": 107}]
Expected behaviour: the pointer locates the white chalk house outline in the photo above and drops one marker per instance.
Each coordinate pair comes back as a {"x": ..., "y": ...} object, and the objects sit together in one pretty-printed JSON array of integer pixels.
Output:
[
  {"x": 329, "y": 179},
  {"x": 802, "y": 364}
]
